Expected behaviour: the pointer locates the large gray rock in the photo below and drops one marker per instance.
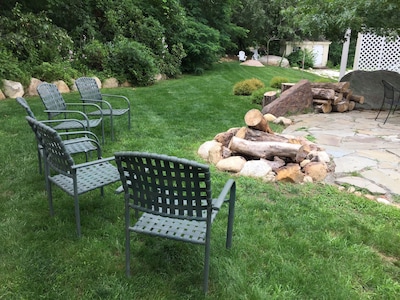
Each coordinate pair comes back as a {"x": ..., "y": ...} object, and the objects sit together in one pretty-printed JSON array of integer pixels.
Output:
[
  {"x": 369, "y": 85},
  {"x": 272, "y": 60},
  {"x": 12, "y": 89}
]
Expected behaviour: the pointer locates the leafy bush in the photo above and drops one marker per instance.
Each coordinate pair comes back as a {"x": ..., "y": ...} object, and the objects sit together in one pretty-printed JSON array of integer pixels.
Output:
[
  {"x": 9, "y": 68},
  {"x": 55, "y": 71},
  {"x": 247, "y": 87},
  {"x": 258, "y": 95},
  {"x": 132, "y": 61},
  {"x": 296, "y": 58},
  {"x": 276, "y": 82},
  {"x": 95, "y": 55},
  {"x": 201, "y": 44}
]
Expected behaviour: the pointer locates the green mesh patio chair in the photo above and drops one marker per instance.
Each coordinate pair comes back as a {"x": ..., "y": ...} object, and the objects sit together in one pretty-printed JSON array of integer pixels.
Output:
[
  {"x": 391, "y": 97},
  {"x": 83, "y": 142},
  {"x": 174, "y": 198},
  {"x": 90, "y": 93},
  {"x": 61, "y": 170},
  {"x": 55, "y": 106}
]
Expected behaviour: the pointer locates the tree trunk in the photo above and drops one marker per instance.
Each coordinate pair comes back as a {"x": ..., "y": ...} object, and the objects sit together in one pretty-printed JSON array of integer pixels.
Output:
[
  {"x": 250, "y": 134},
  {"x": 319, "y": 93},
  {"x": 268, "y": 98},
  {"x": 263, "y": 149},
  {"x": 339, "y": 87},
  {"x": 286, "y": 85},
  {"x": 255, "y": 119},
  {"x": 357, "y": 98},
  {"x": 341, "y": 106}
]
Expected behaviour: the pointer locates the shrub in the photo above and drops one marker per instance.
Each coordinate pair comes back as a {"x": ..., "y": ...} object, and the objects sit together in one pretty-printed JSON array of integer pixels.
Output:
[
  {"x": 276, "y": 82},
  {"x": 296, "y": 58},
  {"x": 258, "y": 95},
  {"x": 55, "y": 71},
  {"x": 248, "y": 86},
  {"x": 95, "y": 55},
  {"x": 10, "y": 68},
  {"x": 132, "y": 61}
]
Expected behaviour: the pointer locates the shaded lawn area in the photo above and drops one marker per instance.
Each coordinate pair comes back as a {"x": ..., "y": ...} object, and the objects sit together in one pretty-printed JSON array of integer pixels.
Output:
[{"x": 290, "y": 241}]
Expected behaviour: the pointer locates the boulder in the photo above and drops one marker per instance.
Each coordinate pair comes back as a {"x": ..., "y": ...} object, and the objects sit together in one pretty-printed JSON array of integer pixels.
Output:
[
  {"x": 295, "y": 100},
  {"x": 231, "y": 164},
  {"x": 272, "y": 60},
  {"x": 62, "y": 86},
  {"x": 215, "y": 153},
  {"x": 369, "y": 85},
  {"x": 110, "y": 83},
  {"x": 316, "y": 170},
  {"x": 2, "y": 96},
  {"x": 204, "y": 148},
  {"x": 32, "y": 89},
  {"x": 256, "y": 168},
  {"x": 12, "y": 89}
]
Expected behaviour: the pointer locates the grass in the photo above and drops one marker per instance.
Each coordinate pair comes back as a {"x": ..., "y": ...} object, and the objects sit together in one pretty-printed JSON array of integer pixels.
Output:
[{"x": 308, "y": 241}]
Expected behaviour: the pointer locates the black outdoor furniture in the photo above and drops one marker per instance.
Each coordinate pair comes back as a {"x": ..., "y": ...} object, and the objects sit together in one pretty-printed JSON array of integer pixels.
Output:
[{"x": 391, "y": 96}]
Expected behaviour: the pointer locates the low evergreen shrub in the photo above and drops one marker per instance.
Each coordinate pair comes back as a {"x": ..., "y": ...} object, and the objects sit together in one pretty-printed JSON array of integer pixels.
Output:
[
  {"x": 258, "y": 95},
  {"x": 247, "y": 87},
  {"x": 276, "y": 82}
]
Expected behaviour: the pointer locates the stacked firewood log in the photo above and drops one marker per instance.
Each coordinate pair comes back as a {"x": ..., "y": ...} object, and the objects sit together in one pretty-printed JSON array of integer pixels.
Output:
[{"x": 331, "y": 96}]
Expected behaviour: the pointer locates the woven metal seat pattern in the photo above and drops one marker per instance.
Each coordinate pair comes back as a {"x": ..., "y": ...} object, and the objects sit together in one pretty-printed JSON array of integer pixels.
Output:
[
  {"x": 74, "y": 179},
  {"x": 55, "y": 105},
  {"x": 88, "y": 178},
  {"x": 90, "y": 93},
  {"x": 174, "y": 198}
]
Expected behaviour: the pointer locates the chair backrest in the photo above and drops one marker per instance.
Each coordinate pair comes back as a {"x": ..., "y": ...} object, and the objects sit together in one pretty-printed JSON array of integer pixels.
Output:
[
  {"x": 56, "y": 155},
  {"x": 88, "y": 89},
  {"x": 26, "y": 106},
  {"x": 51, "y": 98},
  {"x": 388, "y": 90},
  {"x": 165, "y": 185}
]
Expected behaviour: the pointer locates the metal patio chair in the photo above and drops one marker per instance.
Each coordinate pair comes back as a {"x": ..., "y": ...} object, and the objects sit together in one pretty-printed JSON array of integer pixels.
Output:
[
  {"x": 55, "y": 106},
  {"x": 391, "y": 96},
  {"x": 84, "y": 141},
  {"x": 90, "y": 93},
  {"x": 61, "y": 170},
  {"x": 174, "y": 197}
]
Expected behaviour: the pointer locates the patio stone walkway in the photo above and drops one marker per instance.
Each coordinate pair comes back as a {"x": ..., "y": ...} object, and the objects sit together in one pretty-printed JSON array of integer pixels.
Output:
[{"x": 366, "y": 152}]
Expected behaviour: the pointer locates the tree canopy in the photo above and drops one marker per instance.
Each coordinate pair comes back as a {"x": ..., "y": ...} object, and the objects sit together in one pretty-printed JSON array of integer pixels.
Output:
[{"x": 174, "y": 35}]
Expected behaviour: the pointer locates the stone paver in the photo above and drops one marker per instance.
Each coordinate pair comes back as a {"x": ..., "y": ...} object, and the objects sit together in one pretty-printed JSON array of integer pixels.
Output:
[{"x": 366, "y": 152}]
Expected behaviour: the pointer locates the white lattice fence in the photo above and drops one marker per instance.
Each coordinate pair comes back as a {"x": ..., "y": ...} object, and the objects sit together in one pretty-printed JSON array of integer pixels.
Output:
[{"x": 377, "y": 53}]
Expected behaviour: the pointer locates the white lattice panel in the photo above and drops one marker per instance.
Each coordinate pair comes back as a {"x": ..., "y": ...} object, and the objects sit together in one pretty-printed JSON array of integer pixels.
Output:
[{"x": 378, "y": 53}]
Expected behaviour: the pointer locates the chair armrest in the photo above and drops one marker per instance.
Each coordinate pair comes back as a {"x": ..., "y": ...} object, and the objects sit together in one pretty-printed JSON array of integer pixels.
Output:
[
  {"x": 82, "y": 132},
  {"x": 230, "y": 187},
  {"x": 86, "y": 104},
  {"x": 119, "y": 96},
  {"x": 93, "y": 162},
  {"x": 64, "y": 120},
  {"x": 63, "y": 111},
  {"x": 97, "y": 100}
]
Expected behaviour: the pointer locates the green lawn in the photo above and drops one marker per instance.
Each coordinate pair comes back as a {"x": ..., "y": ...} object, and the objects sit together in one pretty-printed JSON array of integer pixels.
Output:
[{"x": 290, "y": 241}]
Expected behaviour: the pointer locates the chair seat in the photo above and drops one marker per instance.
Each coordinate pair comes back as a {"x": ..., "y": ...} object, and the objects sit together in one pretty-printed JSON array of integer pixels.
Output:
[
  {"x": 69, "y": 125},
  {"x": 88, "y": 178},
  {"x": 107, "y": 112},
  {"x": 177, "y": 229},
  {"x": 79, "y": 145}
]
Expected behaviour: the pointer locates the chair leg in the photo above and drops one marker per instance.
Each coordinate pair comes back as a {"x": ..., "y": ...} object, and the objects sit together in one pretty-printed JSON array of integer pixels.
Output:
[
  {"x": 206, "y": 264},
  {"x": 390, "y": 109},
  {"x": 231, "y": 215},
  {"x": 48, "y": 187},
  {"x": 127, "y": 241},
  {"x": 112, "y": 127},
  {"x": 76, "y": 204}
]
